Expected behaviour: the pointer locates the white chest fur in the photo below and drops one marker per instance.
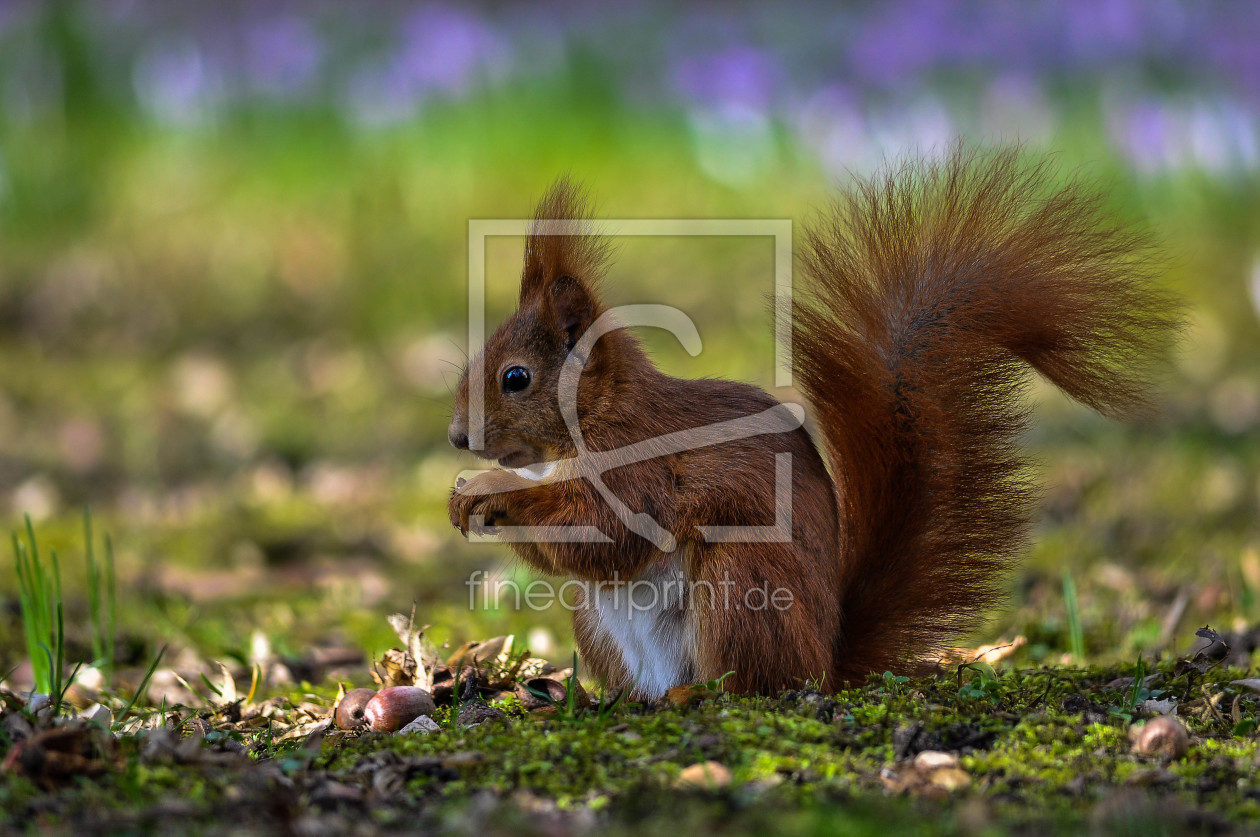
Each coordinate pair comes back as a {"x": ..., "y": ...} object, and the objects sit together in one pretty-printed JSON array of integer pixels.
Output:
[{"x": 650, "y": 621}]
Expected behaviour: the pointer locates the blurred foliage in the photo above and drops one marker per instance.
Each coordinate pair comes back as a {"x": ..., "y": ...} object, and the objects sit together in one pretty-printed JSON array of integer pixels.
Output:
[{"x": 233, "y": 298}]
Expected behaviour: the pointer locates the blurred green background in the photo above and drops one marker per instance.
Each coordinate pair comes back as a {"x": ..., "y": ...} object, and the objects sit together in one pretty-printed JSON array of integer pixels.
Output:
[{"x": 233, "y": 254}]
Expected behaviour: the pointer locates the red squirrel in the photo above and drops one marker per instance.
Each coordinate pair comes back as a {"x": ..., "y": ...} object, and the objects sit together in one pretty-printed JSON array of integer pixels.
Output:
[{"x": 931, "y": 290}]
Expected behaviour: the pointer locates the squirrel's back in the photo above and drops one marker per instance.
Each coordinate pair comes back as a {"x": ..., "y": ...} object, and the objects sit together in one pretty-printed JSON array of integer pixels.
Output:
[{"x": 931, "y": 290}]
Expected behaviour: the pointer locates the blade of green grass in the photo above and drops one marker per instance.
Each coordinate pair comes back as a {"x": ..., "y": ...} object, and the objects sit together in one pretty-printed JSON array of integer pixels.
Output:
[
  {"x": 55, "y": 690},
  {"x": 1075, "y": 634},
  {"x": 101, "y": 599},
  {"x": 140, "y": 689},
  {"x": 39, "y": 594},
  {"x": 1139, "y": 678}
]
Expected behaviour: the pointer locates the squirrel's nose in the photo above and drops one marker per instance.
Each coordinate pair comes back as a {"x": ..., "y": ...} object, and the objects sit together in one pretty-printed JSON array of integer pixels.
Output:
[{"x": 458, "y": 437}]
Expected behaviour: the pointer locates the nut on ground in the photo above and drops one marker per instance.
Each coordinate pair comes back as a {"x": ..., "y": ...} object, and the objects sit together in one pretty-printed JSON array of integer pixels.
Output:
[
  {"x": 706, "y": 775},
  {"x": 1163, "y": 737}
]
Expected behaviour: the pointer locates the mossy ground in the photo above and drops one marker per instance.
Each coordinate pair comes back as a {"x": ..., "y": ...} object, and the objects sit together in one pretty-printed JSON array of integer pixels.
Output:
[{"x": 1045, "y": 751}]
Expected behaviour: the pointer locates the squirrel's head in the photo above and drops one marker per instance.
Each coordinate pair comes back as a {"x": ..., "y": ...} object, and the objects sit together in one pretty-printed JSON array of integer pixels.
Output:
[{"x": 521, "y": 363}]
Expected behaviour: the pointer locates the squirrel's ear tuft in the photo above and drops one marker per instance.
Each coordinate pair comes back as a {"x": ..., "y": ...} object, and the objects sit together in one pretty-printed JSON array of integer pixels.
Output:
[{"x": 562, "y": 243}]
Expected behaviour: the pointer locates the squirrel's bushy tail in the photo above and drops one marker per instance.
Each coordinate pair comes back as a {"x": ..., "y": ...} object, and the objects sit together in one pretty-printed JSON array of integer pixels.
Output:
[{"x": 931, "y": 290}]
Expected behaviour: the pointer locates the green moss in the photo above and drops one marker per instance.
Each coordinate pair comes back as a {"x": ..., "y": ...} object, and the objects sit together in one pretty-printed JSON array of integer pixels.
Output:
[{"x": 801, "y": 763}]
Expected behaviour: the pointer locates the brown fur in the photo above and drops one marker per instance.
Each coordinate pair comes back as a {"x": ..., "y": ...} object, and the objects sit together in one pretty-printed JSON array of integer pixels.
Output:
[{"x": 930, "y": 291}]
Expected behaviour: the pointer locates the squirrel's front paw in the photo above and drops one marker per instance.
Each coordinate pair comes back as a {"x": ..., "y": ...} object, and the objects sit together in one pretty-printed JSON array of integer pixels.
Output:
[
  {"x": 459, "y": 508},
  {"x": 465, "y": 505}
]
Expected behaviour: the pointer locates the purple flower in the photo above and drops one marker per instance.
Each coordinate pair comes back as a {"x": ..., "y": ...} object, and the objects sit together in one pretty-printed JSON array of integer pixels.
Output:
[
  {"x": 740, "y": 77},
  {"x": 282, "y": 57},
  {"x": 444, "y": 51},
  {"x": 175, "y": 83},
  {"x": 1142, "y": 132},
  {"x": 906, "y": 39}
]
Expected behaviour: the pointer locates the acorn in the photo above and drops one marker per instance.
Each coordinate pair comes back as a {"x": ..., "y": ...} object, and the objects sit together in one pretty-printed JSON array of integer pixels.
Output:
[
  {"x": 393, "y": 708},
  {"x": 350, "y": 708},
  {"x": 1162, "y": 736}
]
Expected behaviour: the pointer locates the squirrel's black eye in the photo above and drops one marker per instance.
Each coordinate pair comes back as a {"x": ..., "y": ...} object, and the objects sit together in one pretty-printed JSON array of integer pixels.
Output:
[{"x": 515, "y": 379}]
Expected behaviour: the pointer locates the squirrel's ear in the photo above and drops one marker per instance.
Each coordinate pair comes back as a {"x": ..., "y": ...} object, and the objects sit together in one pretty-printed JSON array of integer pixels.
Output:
[
  {"x": 562, "y": 243},
  {"x": 572, "y": 306}
]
